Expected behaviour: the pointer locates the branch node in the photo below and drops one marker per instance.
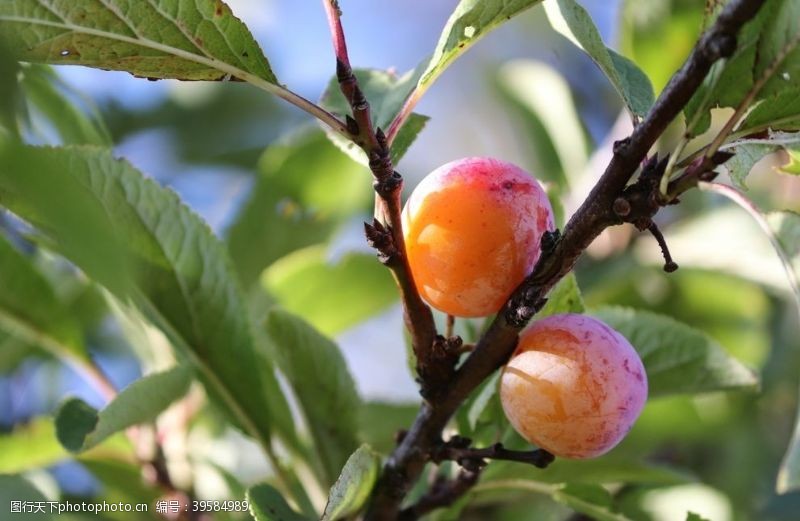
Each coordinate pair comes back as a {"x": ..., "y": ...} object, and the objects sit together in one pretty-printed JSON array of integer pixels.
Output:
[
  {"x": 621, "y": 207},
  {"x": 621, "y": 145},
  {"x": 722, "y": 46},
  {"x": 352, "y": 125},
  {"x": 380, "y": 238},
  {"x": 388, "y": 185},
  {"x": 550, "y": 240}
]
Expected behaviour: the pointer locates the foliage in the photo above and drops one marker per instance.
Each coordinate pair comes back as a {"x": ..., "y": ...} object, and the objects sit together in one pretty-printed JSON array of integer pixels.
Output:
[{"x": 100, "y": 262}]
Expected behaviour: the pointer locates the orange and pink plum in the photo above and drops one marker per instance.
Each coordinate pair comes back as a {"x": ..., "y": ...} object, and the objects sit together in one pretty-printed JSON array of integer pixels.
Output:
[
  {"x": 574, "y": 386},
  {"x": 472, "y": 230}
]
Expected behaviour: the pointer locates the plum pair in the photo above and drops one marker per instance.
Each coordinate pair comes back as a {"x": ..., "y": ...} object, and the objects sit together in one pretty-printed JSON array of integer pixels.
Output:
[{"x": 473, "y": 230}]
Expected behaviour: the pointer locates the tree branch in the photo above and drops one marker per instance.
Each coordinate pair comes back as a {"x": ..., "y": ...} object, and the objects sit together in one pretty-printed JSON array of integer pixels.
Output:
[
  {"x": 597, "y": 213},
  {"x": 443, "y": 493},
  {"x": 433, "y": 364},
  {"x": 458, "y": 449}
]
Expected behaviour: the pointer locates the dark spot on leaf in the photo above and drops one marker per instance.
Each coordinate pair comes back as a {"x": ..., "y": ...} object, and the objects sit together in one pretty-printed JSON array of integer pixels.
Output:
[{"x": 245, "y": 54}]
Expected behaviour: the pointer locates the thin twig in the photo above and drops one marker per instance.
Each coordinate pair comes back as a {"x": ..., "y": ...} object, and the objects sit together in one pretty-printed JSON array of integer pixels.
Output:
[
  {"x": 457, "y": 449},
  {"x": 496, "y": 345},
  {"x": 387, "y": 237}
]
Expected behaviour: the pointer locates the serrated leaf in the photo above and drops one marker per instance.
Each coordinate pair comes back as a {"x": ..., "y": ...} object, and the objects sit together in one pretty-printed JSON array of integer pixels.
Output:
[
  {"x": 747, "y": 155},
  {"x": 764, "y": 71},
  {"x": 304, "y": 189},
  {"x": 565, "y": 297},
  {"x": 180, "y": 39},
  {"x": 470, "y": 21},
  {"x": 386, "y": 93},
  {"x": 379, "y": 422},
  {"x": 541, "y": 98},
  {"x": 676, "y": 357},
  {"x": 267, "y": 504},
  {"x": 30, "y": 310},
  {"x": 139, "y": 241},
  {"x": 80, "y": 427},
  {"x": 9, "y": 93},
  {"x": 606, "y": 470},
  {"x": 332, "y": 294},
  {"x": 569, "y": 18},
  {"x": 592, "y": 500},
  {"x": 352, "y": 489},
  {"x": 748, "y": 152},
  {"x": 477, "y": 405},
  {"x": 50, "y": 96},
  {"x": 322, "y": 383}
]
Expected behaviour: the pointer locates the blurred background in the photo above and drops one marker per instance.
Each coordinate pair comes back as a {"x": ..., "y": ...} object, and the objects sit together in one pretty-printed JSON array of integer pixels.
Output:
[{"x": 524, "y": 94}]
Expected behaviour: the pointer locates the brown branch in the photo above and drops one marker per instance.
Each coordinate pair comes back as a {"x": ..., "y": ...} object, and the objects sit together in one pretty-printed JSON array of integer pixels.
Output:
[
  {"x": 387, "y": 237},
  {"x": 458, "y": 449},
  {"x": 597, "y": 213},
  {"x": 443, "y": 493}
]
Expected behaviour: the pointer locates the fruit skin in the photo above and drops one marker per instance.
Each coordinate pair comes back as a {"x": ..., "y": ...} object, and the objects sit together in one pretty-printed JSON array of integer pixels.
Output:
[
  {"x": 472, "y": 231},
  {"x": 574, "y": 386}
]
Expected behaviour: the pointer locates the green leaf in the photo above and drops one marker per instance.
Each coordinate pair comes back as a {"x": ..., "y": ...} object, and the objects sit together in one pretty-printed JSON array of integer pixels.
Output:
[
  {"x": 9, "y": 93},
  {"x": 379, "y": 422},
  {"x": 677, "y": 358},
  {"x": 267, "y": 504},
  {"x": 541, "y": 99},
  {"x": 80, "y": 427},
  {"x": 31, "y": 311},
  {"x": 122, "y": 481},
  {"x": 570, "y": 19},
  {"x": 17, "y": 488},
  {"x": 30, "y": 446},
  {"x": 139, "y": 241},
  {"x": 386, "y": 93},
  {"x": 470, "y": 21},
  {"x": 592, "y": 500},
  {"x": 793, "y": 166},
  {"x": 764, "y": 71},
  {"x": 331, "y": 294},
  {"x": 606, "y": 470},
  {"x": 305, "y": 188},
  {"x": 691, "y": 516},
  {"x": 322, "y": 383},
  {"x": 565, "y": 297},
  {"x": 751, "y": 151},
  {"x": 54, "y": 99},
  {"x": 180, "y": 39},
  {"x": 352, "y": 489}
]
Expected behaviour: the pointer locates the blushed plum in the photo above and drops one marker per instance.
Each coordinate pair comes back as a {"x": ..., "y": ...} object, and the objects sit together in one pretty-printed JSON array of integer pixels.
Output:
[
  {"x": 574, "y": 386},
  {"x": 472, "y": 230}
]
